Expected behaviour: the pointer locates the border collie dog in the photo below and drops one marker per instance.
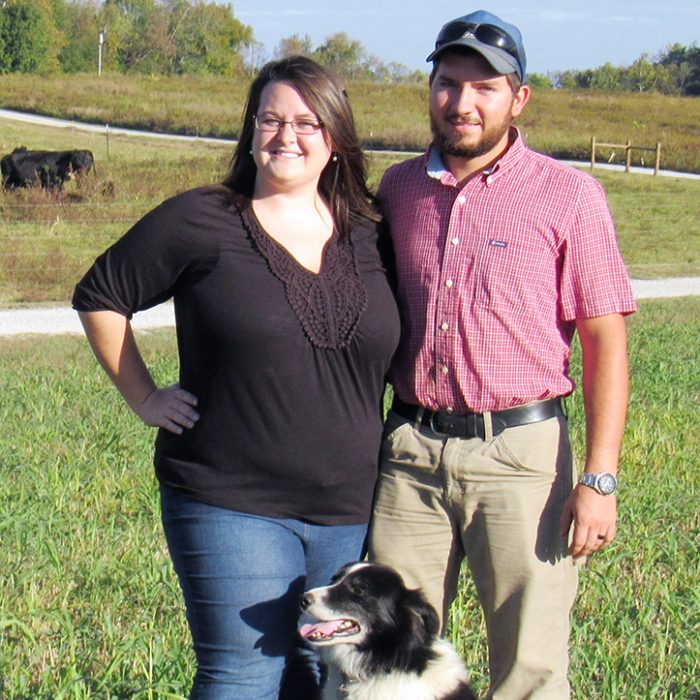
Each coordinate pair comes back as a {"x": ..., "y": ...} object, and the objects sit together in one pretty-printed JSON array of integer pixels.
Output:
[{"x": 380, "y": 639}]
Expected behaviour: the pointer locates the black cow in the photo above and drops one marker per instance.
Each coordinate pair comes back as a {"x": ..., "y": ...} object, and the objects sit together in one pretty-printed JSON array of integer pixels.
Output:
[{"x": 23, "y": 168}]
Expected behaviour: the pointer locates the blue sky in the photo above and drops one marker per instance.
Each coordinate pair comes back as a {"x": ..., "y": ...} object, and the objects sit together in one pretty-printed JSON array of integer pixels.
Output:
[{"x": 557, "y": 35}]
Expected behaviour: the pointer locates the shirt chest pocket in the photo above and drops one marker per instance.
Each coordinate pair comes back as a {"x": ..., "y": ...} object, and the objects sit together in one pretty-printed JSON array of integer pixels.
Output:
[{"x": 497, "y": 274}]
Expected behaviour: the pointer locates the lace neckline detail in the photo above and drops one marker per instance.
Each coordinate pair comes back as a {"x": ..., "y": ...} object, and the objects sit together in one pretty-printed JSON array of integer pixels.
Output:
[{"x": 328, "y": 304}]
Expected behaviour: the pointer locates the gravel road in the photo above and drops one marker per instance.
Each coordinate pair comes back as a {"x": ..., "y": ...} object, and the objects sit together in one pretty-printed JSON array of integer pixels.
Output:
[
  {"x": 13, "y": 115},
  {"x": 62, "y": 319},
  {"x": 47, "y": 320}
]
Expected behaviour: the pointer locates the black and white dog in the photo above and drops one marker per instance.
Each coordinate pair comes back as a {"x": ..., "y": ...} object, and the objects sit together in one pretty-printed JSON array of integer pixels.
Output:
[{"x": 380, "y": 639}]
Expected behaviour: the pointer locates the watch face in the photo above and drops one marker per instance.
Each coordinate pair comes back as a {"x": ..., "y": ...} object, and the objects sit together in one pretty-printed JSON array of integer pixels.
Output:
[{"x": 607, "y": 483}]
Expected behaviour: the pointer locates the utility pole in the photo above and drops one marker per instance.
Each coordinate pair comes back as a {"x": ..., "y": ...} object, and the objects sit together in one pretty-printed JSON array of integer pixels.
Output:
[{"x": 99, "y": 52}]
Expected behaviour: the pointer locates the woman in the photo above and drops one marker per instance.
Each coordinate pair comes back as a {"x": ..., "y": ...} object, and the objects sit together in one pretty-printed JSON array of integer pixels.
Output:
[{"x": 268, "y": 445}]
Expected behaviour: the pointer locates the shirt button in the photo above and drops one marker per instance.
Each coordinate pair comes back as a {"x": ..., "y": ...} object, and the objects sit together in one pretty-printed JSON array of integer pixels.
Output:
[
  {"x": 455, "y": 241},
  {"x": 449, "y": 409},
  {"x": 461, "y": 200},
  {"x": 444, "y": 325},
  {"x": 444, "y": 369},
  {"x": 449, "y": 284}
]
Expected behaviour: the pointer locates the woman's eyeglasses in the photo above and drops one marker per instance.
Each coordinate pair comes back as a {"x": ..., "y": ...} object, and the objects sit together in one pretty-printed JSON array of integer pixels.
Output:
[{"x": 302, "y": 127}]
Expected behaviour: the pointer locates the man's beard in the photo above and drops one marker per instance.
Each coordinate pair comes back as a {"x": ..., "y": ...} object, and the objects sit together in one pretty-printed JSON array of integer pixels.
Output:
[{"x": 453, "y": 146}]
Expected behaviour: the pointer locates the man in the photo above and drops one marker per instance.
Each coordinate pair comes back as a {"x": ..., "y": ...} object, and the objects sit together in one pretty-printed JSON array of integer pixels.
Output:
[{"x": 501, "y": 254}]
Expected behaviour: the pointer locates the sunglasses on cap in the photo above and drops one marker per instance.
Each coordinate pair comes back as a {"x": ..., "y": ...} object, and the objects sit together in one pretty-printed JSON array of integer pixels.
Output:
[{"x": 487, "y": 34}]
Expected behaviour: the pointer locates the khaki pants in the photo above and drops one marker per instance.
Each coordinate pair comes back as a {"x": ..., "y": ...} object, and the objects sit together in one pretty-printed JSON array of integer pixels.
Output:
[{"x": 497, "y": 502}]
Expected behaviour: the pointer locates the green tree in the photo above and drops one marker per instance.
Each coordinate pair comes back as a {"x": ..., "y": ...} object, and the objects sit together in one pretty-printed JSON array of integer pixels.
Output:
[
  {"x": 126, "y": 22},
  {"x": 564, "y": 79},
  {"x": 294, "y": 45},
  {"x": 79, "y": 24},
  {"x": 153, "y": 47},
  {"x": 29, "y": 40},
  {"x": 641, "y": 75},
  {"x": 208, "y": 38},
  {"x": 539, "y": 81},
  {"x": 675, "y": 71},
  {"x": 344, "y": 55},
  {"x": 173, "y": 36},
  {"x": 683, "y": 64},
  {"x": 674, "y": 54},
  {"x": 692, "y": 86},
  {"x": 606, "y": 77},
  {"x": 255, "y": 57}
]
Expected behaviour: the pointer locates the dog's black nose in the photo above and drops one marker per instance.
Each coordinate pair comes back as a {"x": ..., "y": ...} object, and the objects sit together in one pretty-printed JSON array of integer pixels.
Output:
[{"x": 305, "y": 601}]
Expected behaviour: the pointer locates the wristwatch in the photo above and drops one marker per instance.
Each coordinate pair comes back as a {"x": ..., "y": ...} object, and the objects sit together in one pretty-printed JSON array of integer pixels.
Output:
[{"x": 604, "y": 483}]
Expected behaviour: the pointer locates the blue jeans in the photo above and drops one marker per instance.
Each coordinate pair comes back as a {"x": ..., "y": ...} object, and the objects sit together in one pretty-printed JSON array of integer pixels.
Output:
[{"x": 242, "y": 577}]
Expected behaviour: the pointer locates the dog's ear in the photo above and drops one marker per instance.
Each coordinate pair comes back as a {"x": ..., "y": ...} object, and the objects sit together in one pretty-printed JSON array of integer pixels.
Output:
[{"x": 424, "y": 612}]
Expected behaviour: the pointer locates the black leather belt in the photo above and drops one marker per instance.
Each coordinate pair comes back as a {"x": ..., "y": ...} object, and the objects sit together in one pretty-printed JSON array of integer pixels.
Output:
[{"x": 471, "y": 425}]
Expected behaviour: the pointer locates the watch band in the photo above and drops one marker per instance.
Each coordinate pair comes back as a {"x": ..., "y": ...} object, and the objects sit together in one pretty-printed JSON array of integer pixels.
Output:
[{"x": 605, "y": 483}]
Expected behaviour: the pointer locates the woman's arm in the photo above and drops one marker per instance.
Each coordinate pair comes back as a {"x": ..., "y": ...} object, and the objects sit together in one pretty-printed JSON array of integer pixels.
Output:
[{"x": 114, "y": 345}]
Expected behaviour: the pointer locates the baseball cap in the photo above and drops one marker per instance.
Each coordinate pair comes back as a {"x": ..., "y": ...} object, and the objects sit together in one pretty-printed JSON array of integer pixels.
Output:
[{"x": 497, "y": 41}]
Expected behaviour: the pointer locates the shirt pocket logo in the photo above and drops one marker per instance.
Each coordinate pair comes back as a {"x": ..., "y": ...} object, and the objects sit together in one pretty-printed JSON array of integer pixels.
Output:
[{"x": 493, "y": 273}]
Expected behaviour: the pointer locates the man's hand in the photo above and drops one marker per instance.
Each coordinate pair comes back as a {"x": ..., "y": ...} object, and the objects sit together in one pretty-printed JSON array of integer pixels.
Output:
[
  {"x": 594, "y": 520},
  {"x": 605, "y": 392}
]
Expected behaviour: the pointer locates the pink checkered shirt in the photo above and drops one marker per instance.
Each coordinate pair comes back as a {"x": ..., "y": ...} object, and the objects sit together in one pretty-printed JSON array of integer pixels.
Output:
[{"x": 493, "y": 275}]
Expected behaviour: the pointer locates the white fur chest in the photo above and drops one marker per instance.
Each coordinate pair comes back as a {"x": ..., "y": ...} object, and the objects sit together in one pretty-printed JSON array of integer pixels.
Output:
[{"x": 439, "y": 679}]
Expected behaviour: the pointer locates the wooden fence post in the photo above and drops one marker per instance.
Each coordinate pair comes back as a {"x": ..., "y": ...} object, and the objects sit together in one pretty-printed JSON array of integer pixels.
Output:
[
  {"x": 657, "y": 164},
  {"x": 592, "y": 153},
  {"x": 628, "y": 156}
]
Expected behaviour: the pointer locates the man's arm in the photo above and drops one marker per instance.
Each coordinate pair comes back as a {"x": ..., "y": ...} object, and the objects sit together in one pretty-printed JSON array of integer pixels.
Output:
[{"x": 605, "y": 395}]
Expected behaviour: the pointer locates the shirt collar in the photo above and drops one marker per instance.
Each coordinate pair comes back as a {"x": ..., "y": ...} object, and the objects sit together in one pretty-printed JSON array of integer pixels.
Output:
[{"x": 435, "y": 167}]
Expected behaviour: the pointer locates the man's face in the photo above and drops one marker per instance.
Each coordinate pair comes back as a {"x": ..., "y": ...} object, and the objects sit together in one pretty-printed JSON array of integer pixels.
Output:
[{"x": 472, "y": 107}]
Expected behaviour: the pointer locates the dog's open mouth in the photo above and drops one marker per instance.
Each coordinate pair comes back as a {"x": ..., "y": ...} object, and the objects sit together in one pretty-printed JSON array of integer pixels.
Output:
[{"x": 329, "y": 629}]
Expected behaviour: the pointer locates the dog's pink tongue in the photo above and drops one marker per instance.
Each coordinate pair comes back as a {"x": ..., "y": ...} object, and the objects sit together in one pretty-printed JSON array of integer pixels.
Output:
[{"x": 325, "y": 628}]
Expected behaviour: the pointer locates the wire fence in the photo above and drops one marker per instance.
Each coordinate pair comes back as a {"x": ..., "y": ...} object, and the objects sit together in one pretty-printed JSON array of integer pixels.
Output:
[{"x": 48, "y": 241}]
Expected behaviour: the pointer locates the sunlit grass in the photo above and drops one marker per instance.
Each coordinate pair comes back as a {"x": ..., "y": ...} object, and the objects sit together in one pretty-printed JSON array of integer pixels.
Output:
[
  {"x": 89, "y": 605},
  {"x": 48, "y": 241},
  {"x": 559, "y": 122}
]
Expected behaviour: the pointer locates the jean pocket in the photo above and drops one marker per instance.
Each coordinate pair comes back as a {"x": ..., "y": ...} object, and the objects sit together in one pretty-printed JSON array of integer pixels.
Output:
[{"x": 538, "y": 448}]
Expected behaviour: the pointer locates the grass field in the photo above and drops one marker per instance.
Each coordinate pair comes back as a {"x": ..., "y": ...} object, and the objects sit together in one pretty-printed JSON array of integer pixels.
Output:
[
  {"x": 47, "y": 242},
  {"x": 558, "y": 122},
  {"x": 90, "y": 608}
]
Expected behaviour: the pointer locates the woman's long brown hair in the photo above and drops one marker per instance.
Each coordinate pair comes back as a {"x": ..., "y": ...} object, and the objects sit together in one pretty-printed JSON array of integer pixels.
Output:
[{"x": 343, "y": 182}]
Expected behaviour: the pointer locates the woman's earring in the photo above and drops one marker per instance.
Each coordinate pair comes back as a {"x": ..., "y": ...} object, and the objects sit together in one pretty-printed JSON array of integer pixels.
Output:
[{"x": 335, "y": 158}]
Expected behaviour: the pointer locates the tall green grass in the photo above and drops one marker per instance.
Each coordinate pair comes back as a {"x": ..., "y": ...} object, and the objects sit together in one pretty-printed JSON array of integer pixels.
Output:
[
  {"x": 48, "y": 241},
  {"x": 559, "y": 122},
  {"x": 89, "y": 605}
]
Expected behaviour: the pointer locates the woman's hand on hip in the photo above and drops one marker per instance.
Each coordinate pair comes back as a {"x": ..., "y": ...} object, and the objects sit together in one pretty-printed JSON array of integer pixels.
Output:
[{"x": 170, "y": 407}]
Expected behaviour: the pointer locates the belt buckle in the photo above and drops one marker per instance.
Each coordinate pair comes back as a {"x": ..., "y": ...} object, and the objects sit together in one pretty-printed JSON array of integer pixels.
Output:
[
  {"x": 449, "y": 425},
  {"x": 431, "y": 423}
]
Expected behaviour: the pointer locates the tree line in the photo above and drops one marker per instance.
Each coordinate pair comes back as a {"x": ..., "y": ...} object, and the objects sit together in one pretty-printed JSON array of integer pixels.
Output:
[
  {"x": 145, "y": 36},
  {"x": 167, "y": 37},
  {"x": 174, "y": 37},
  {"x": 675, "y": 71}
]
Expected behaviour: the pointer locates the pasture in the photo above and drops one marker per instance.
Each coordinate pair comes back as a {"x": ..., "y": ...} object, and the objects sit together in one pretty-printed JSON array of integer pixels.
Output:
[
  {"x": 48, "y": 241},
  {"x": 558, "y": 122},
  {"x": 89, "y": 605}
]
